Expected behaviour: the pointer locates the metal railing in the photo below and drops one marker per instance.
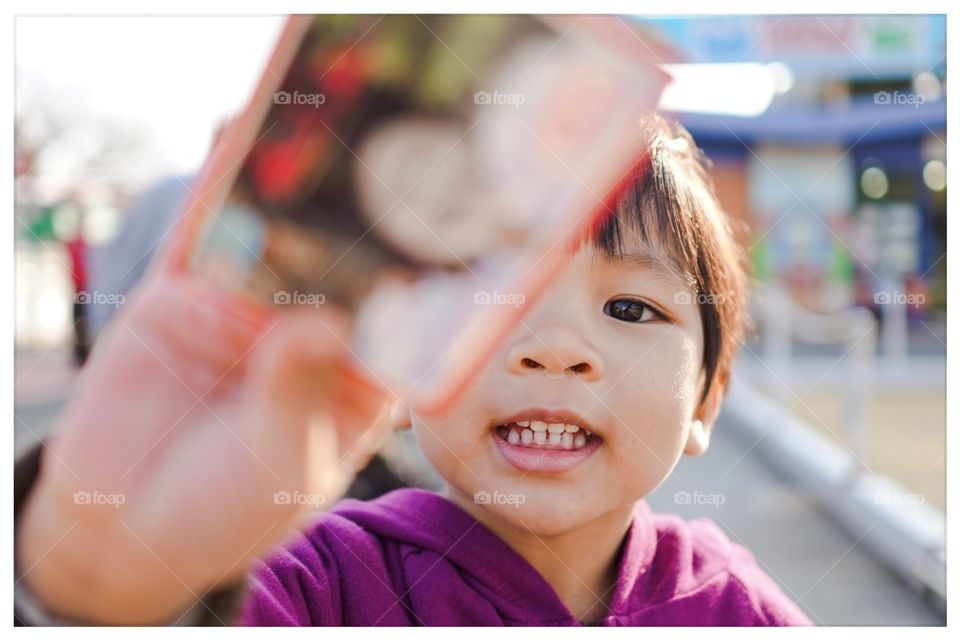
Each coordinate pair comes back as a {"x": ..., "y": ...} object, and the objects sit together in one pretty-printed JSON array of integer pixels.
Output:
[{"x": 854, "y": 330}]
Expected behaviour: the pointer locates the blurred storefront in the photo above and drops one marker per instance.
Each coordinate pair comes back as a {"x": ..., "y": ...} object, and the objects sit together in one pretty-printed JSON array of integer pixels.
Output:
[{"x": 835, "y": 156}]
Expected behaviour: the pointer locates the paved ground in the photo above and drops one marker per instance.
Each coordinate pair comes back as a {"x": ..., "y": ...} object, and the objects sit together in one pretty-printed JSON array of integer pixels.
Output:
[
  {"x": 820, "y": 567},
  {"x": 905, "y": 434}
]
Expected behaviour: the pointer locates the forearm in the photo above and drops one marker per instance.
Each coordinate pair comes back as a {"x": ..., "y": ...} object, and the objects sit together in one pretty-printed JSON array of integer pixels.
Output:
[{"x": 64, "y": 571}]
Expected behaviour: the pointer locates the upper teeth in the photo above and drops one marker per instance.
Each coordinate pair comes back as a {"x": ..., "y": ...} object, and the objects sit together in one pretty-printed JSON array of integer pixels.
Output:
[
  {"x": 566, "y": 436},
  {"x": 552, "y": 427}
]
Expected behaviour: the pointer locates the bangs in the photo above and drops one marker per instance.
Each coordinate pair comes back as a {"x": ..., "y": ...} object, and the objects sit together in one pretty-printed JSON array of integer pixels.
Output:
[
  {"x": 663, "y": 207},
  {"x": 649, "y": 215}
]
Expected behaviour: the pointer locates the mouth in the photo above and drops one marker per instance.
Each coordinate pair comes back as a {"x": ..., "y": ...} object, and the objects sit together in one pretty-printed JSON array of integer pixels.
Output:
[{"x": 545, "y": 441}]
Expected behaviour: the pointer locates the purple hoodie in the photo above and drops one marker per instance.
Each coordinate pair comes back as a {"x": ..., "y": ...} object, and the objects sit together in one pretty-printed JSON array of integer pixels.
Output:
[{"x": 412, "y": 557}]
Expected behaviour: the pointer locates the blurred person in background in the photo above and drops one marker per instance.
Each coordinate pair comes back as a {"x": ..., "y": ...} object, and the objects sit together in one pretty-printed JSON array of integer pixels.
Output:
[
  {"x": 77, "y": 253},
  {"x": 118, "y": 265}
]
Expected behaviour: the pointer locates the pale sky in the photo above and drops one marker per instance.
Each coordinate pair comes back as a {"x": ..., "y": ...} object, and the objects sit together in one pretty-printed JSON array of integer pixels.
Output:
[{"x": 178, "y": 76}]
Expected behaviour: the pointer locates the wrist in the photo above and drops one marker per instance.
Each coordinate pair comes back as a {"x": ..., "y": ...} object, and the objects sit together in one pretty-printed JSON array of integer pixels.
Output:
[{"x": 74, "y": 570}]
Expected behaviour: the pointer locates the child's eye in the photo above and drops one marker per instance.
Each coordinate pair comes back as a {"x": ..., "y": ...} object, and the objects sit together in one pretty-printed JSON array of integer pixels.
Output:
[{"x": 629, "y": 310}]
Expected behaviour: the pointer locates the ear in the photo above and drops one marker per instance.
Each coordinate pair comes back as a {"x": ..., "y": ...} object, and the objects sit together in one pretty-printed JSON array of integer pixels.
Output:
[
  {"x": 701, "y": 424},
  {"x": 399, "y": 415}
]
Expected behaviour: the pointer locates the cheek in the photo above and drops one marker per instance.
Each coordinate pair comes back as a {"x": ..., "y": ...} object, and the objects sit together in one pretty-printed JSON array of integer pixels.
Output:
[
  {"x": 458, "y": 443},
  {"x": 655, "y": 401},
  {"x": 451, "y": 442},
  {"x": 686, "y": 378},
  {"x": 663, "y": 380},
  {"x": 438, "y": 439}
]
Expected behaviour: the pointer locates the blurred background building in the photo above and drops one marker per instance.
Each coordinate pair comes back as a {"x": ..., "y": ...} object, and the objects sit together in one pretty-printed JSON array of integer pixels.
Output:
[{"x": 828, "y": 136}]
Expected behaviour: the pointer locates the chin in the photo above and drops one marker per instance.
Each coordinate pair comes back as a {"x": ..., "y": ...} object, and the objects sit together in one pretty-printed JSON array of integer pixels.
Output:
[
  {"x": 544, "y": 513},
  {"x": 548, "y": 521}
]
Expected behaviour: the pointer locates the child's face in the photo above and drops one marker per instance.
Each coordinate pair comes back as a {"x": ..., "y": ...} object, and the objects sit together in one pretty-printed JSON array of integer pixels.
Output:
[{"x": 584, "y": 354}]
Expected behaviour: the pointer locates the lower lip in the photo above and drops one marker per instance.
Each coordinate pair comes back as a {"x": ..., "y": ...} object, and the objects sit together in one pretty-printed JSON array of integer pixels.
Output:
[{"x": 544, "y": 460}]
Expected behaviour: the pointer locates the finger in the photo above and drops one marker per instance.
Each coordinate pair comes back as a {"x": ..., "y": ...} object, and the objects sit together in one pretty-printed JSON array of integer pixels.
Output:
[
  {"x": 290, "y": 378},
  {"x": 151, "y": 373},
  {"x": 362, "y": 418},
  {"x": 186, "y": 315}
]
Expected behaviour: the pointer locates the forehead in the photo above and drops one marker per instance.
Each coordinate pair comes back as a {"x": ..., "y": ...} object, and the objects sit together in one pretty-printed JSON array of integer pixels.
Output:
[
  {"x": 642, "y": 257},
  {"x": 629, "y": 250}
]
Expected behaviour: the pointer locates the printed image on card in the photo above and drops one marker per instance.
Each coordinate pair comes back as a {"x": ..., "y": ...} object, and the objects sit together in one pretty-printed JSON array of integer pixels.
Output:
[{"x": 425, "y": 173}]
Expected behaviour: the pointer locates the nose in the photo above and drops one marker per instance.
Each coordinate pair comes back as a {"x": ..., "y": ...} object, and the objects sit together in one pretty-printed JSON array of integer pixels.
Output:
[{"x": 556, "y": 352}]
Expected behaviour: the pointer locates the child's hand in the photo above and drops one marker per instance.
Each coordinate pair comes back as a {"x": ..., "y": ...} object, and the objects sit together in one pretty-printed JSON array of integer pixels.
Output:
[{"x": 193, "y": 441}]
